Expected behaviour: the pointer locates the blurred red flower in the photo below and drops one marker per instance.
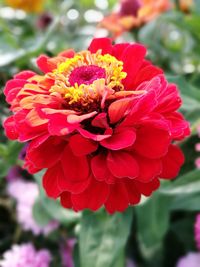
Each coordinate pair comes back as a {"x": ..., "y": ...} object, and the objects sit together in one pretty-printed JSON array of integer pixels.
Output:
[
  {"x": 132, "y": 14},
  {"x": 103, "y": 123}
]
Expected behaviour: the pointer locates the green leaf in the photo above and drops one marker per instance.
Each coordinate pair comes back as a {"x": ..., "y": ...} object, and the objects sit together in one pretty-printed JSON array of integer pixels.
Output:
[
  {"x": 152, "y": 223},
  {"x": 4, "y": 167},
  {"x": 53, "y": 207},
  {"x": 186, "y": 202},
  {"x": 185, "y": 184},
  {"x": 40, "y": 214},
  {"x": 103, "y": 238}
]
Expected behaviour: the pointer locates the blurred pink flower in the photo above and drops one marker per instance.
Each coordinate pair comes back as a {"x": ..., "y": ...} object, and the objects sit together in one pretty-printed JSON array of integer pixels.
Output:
[
  {"x": 197, "y": 231},
  {"x": 26, "y": 193},
  {"x": 25, "y": 255},
  {"x": 190, "y": 260},
  {"x": 197, "y": 148}
]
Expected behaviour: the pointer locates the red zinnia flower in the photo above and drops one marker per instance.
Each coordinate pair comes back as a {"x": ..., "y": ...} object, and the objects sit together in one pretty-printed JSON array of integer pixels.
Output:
[{"x": 101, "y": 121}]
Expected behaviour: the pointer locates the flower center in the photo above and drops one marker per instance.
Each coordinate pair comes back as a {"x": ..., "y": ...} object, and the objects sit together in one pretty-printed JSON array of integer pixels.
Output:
[
  {"x": 88, "y": 80},
  {"x": 86, "y": 75}
]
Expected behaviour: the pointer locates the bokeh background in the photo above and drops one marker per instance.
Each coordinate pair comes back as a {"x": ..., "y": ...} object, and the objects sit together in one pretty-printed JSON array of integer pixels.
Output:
[{"x": 165, "y": 230}]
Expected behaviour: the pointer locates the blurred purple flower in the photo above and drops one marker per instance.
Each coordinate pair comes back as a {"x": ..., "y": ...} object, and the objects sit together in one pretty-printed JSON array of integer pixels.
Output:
[
  {"x": 14, "y": 173},
  {"x": 197, "y": 231},
  {"x": 67, "y": 253},
  {"x": 26, "y": 193},
  {"x": 25, "y": 255},
  {"x": 130, "y": 263},
  {"x": 190, "y": 260}
]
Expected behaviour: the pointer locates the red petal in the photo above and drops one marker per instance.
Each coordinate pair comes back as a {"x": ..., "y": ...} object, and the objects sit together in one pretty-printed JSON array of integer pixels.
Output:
[
  {"x": 100, "y": 121},
  {"x": 103, "y": 44},
  {"x": 25, "y": 75},
  {"x": 73, "y": 118},
  {"x": 92, "y": 198},
  {"x": 133, "y": 194},
  {"x": 12, "y": 84},
  {"x": 119, "y": 49},
  {"x": 58, "y": 125},
  {"x": 75, "y": 187},
  {"x": 149, "y": 169},
  {"x": 178, "y": 125},
  {"x": 119, "y": 109},
  {"x": 10, "y": 128},
  {"x": 121, "y": 164},
  {"x": 133, "y": 58},
  {"x": 146, "y": 74},
  {"x": 140, "y": 108},
  {"x": 46, "y": 64},
  {"x": 67, "y": 53},
  {"x": 122, "y": 138},
  {"x": 50, "y": 181},
  {"x": 99, "y": 167},
  {"x": 81, "y": 146},
  {"x": 38, "y": 141},
  {"x": 47, "y": 154},
  {"x": 95, "y": 137},
  {"x": 65, "y": 200},
  {"x": 152, "y": 142},
  {"x": 147, "y": 188},
  {"x": 76, "y": 169},
  {"x": 172, "y": 162},
  {"x": 118, "y": 198},
  {"x": 42, "y": 62}
]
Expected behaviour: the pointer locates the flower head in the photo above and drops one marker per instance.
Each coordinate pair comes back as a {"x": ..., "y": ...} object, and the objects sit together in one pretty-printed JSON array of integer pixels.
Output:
[
  {"x": 26, "y": 194},
  {"x": 103, "y": 123},
  {"x": 25, "y": 255},
  {"x": 133, "y": 13},
  {"x": 26, "y": 5},
  {"x": 190, "y": 260}
]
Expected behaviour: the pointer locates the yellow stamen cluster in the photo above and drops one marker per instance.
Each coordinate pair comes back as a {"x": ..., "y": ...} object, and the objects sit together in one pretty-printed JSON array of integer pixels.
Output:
[{"x": 88, "y": 93}]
